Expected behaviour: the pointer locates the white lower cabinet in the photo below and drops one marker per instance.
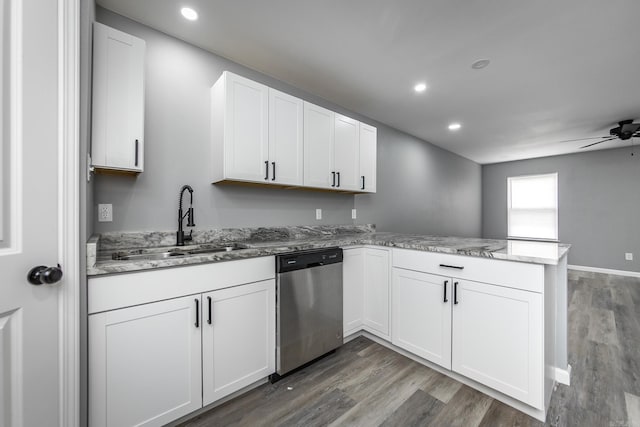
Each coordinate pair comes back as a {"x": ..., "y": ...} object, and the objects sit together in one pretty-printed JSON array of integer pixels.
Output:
[
  {"x": 498, "y": 339},
  {"x": 366, "y": 290},
  {"x": 153, "y": 363},
  {"x": 376, "y": 295},
  {"x": 353, "y": 290},
  {"x": 421, "y": 315},
  {"x": 145, "y": 364},
  {"x": 238, "y": 338}
]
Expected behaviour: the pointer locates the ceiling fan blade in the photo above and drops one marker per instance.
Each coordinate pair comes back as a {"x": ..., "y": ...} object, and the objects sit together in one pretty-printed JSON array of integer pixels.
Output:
[
  {"x": 584, "y": 139},
  {"x": 599, "y": 142}
]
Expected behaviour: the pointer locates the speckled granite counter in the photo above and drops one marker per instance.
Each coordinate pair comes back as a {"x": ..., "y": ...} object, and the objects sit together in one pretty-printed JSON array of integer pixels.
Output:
[{"x": 279, "y": 240}]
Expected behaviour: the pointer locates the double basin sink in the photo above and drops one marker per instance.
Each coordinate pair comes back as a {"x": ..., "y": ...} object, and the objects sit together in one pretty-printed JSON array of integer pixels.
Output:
[{"x": 150, "y": 255}]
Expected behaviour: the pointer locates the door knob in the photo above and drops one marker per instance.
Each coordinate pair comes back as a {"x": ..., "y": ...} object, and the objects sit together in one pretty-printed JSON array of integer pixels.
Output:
[{"x": 41, "y": 275}]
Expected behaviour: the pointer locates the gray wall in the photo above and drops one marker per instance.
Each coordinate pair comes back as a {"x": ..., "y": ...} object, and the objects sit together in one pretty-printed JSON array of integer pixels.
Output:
[
  {"x": 422, "y": 189},
  {"x": 439, "y": 192},
  {"x": 599, "y": 204}
]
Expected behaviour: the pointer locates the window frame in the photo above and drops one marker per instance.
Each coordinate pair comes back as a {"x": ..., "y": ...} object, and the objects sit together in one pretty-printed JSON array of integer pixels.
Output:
[{"x": 557, "y": 208}]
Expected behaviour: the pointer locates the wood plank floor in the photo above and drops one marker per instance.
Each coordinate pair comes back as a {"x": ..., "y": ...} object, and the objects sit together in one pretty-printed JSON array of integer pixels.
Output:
[{"x": 366, "y": 384}]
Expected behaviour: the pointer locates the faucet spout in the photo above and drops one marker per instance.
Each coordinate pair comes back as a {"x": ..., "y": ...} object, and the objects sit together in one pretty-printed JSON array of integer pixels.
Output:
[{"x": 180, "y": 237}]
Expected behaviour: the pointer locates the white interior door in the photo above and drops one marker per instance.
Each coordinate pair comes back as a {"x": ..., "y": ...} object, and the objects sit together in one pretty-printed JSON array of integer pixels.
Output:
[{"x": 29, "y": 233}]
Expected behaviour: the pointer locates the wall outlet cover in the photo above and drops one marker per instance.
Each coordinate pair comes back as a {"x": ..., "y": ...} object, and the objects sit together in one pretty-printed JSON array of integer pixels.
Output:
[
  {"x": 628, "y": 256},
  {"x": 354, "y": 214},
  {"x": 105, "y": 212},
  {"x": 318, "y": 213}
]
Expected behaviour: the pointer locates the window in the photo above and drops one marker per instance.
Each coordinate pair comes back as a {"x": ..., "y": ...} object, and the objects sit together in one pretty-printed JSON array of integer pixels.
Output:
[{"x": 532, "y": 207}]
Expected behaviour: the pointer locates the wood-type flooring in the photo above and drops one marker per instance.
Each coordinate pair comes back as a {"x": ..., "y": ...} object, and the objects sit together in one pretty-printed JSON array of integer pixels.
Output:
[{"x": 366, "y": 384}]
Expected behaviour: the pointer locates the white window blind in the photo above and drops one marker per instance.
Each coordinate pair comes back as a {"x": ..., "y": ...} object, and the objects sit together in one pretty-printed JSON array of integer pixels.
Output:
[{"x": 532, "y": 203}]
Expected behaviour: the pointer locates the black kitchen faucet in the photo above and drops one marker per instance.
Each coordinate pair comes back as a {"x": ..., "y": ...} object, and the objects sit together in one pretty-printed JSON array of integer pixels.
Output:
[{"x": 180, "y": 237}]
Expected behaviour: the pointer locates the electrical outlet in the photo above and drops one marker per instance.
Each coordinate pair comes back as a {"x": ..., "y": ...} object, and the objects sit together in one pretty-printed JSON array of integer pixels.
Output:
[
  {"x": 628, "y": 256},
  {"x": 354, "y": 215},
  {"x": 105, "y": 213},
  {"x": 318, "y": 213}
]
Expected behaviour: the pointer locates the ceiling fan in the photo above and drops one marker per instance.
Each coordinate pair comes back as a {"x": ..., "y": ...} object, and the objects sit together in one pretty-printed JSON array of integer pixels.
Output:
[{"x": 626, "y": 130}]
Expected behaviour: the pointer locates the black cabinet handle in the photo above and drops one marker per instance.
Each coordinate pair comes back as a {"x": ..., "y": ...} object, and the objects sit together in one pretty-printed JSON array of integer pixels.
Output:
[
  {"x": 197, "y": 312},
  {"x": 457, "y": 267},
  {"x": 338, "y": 179},
  {"x": 455, "y": 293},
  {"x": 274, "y": 171},
  {"x": 266, "y": 172},
  {"x": 334, "y": 179},
  {"x": 136, "y": 157},
  {"x": 209, "y": 302},
  {"x": 446, "y": 282},
  {"x": 363, "y": 182}
]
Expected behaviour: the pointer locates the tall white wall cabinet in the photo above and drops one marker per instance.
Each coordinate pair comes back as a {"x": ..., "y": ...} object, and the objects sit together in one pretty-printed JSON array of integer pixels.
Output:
[{"x": 117, "y": 142}]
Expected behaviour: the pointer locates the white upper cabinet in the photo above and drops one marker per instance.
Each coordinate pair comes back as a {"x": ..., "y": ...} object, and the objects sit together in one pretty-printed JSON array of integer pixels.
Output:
[
  {"x": 347, "y": 153},
  {"x": 118, "y": 100},
  {"x": 285, "y": 138},
  {"x": 368, "y": 158},
  {"x": 318, "y": 147},
  {"x": 261, "y": 135},
  {"x": 240, "y": 129}
]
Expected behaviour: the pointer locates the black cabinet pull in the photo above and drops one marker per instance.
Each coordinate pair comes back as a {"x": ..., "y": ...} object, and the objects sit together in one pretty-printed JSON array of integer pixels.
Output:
[
  {"x": 334, "y": 179},
  {"x": 455, "y": 293},
  {"x": 136, "y": 157},
  {"x": 457, "y": 267},
  {"x": 363, "y": 182},
  {"x": 274, "y": 171},
  {"x": 446, "y": 282},
  {"x": 338, "y": 179},
  {"x": 197, "y": 312},
  {"x": 209, "y": 302},
  {"x": 266, "y": 172}
]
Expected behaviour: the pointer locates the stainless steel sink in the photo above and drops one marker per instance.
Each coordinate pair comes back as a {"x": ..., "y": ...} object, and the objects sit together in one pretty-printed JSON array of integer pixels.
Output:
[
  {"x": 146, "y": 256},
  {"x": 141, "y": 255}
]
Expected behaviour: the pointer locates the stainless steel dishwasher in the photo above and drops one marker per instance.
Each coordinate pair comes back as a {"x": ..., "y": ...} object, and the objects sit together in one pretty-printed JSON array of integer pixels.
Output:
[{"x": 308, "y": 307}]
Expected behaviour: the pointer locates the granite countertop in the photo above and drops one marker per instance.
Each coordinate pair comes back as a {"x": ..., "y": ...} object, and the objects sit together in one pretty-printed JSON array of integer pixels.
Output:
[{"x": 278, "y": 240}]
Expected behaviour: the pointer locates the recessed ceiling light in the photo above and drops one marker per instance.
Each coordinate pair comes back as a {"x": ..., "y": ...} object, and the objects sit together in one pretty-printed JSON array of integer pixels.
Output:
[
  {"x": 455, "y": 126},
  {"x": 189, "y": 13},
  {"x": 420, "y": 87},
  {"x": 480, "y": 64}
]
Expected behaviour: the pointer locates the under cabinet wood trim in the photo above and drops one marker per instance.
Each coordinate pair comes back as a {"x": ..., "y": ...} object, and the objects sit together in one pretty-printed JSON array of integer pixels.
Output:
[{"x": 124, "y": 290}]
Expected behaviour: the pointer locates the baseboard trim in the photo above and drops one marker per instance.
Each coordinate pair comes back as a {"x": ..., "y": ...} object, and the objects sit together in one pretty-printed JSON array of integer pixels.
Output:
[
  {"x": 604, "y": 270},
  {"x": 563, "y": 376}
]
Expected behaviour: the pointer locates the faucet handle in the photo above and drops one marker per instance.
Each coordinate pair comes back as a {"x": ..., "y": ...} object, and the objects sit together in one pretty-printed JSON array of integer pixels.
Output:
[{"x": 190, "y": 236}]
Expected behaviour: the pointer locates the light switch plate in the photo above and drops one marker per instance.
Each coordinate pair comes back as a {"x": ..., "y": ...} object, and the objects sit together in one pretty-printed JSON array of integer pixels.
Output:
[
  {"x": 318, "y": 213},
  {"x": 105, "y": 212},
  {"x": 354, "y": 214},
  {"x": 628, "y": 256}
]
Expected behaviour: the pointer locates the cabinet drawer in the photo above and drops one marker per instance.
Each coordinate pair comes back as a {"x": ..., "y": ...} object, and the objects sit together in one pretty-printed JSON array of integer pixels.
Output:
[{"x": 518, "y": 275}]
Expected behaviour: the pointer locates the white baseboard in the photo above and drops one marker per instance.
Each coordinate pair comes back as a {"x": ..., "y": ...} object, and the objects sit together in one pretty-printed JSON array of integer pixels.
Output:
[
  {"x": 604, "y": 270},
  {"x": 563, "y": 376}
]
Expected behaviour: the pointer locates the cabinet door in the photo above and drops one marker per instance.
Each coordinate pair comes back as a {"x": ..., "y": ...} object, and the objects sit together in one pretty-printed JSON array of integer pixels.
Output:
[
  {"x": 285, "y": 138},
  {"x": 145, "y": 364},
  {"x": 118, "y": 100},
  {"x": 238, "y": 338},
  {"x": 376, "y": 292},
  {"x": 246, "y": 136},
  {"x": 347, "y": 153},
  {"x": 353, "y": 290},
  {"x": 497, "y": 339},
  {"x": 318, "y": 147},
  {"x": 368, "y": 158},
  {"x": 421, "y": 315}
]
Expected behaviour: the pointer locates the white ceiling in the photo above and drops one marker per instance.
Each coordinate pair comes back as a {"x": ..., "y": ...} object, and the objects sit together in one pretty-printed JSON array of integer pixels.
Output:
[{"x": 559, "y": 69}]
